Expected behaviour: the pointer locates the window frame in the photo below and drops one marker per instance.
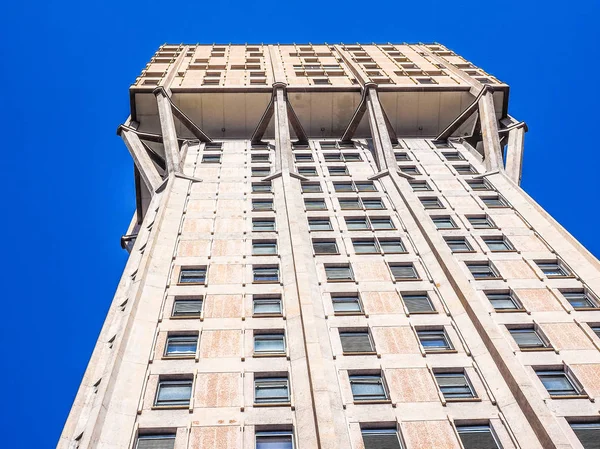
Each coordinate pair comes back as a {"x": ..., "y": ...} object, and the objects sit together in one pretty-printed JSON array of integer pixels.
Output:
[
  {"x": 469, "y": 393},
  {"x": 325, "y": 241},
  {"x": 264, "y": 220},
  {"x": 566, "y": 374},
  {"x": 369, "y": 379},
  {"x": 174, "y": 337},
  {"x": 179, "y": 315},
  {"x": 263, "y": 278},
  {"x": 276, "y": 383},
  {"x": 392, "y": 265},
  {"x": 441, "y": 335},
  {"x": 266, "y": 299},
  {"x": 270, "y": 335},
  {"x": 264, "y": 244},
  {"x": 346, "y": 332},
  {"x": 338, "y": 279},
  {"x": 493, "y": 271},
  {"x": 347, "y": 298},
  {"x": 181, "y": 403}
]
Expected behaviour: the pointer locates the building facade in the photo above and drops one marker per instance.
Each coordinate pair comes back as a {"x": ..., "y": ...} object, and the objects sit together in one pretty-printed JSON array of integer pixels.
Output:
[{"x": 331, "y": 250}]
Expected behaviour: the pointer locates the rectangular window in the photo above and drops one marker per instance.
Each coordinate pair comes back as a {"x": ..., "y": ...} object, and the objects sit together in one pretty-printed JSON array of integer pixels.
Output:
[
  {"x": 343, "y": 187},
  {"x": 264, "y": 247},
  {"x": 273, "y": 343},
  {"x": 478, "y": 184},
  {"x": 382, "y": 223},
  {"x": 303, "y": 157},
  {"x": 274, "y": 440},
  {"x": 580, "y": 299},
  {"x": 434, "y": 340},
  {"x": 161, "y": 441},
  {"x": 265, "y": 274},
  {"x": 260, "y": 205},
  {"x": 211, "y": 158},
  {"x": 498, "y": 244},
  {"x": 187, "y": 308},
  {"x": 339, "y": 273},
  {"x": 337, "y": 171},
  {"x": 458, "y": 244},
  {"x": 477, "y": 437},
  {"x": 192, "y": 275},
  {"x": 319, "y": 224},
  {"x": 381, "y": 438},
  {"x": 588, "y": 433},
  {"x": 401, "y": 156},
  {"x": 263, "y": 224},
  {"x": 503, "y": 301},
  {"x": 404, "y": 271},
  {"x": 464, "y": 169},
  {"x": 315, "y": 204},
  {"x": 325, "y": 247},
  {"x": 332, "y": 157},
  {"x": 346, "y": 303},
  {"x": 558, "y": 382},
  {"x": 271, "y": 390},
  {"x": 181, "y": 345},
  {"x": 365, "y": 246},
  {"x": 392, "y": 246},
  {"x": 482, "y": 270},
  {"x": 595, "y": 330},
  {"x": 494, "y": 201},
  {"x": 376, "y": 204},
  {"x": 431, "y": 203},
  {"x": 419, "y": 186},
  {"x": 528, "y": 337},
  {"x": 357, "y": 224},
  {"x": 260, "y": 172},
  {"x": 365, "y": 186},
  {"x": 481, "y": 222},
  {"x": 453, "y": 156},
  {"x": 410, "y": 170},
  {"x": 259, "y": 157},
  {"x": 351, "y": 157},
  {"x": 173, "y": 393},
  {"x": 357, "y": 342},
  {"x": 266, "y": 306},
  {"x": 418, "y": 302},
  {"x": 311, "y": 187},
  {"x": 368, "y": 388},
  {"x": 261, "y": 187},
  {"x": 307, "y": 171},
  {"x": 454, "y": 385},
  {"x": 350, "y": 203},
  {"x": 443, "y": 223},
  {"x": 554, "y": 269}
]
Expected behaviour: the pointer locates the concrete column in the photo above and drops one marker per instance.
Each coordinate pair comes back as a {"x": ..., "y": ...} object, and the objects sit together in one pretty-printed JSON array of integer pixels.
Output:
[
  {"x": 489, "y": 130},
  {"x": 167, "y": 125},
  {"x": 514, "y": 153},
  {"x": 141, "y": 160}
]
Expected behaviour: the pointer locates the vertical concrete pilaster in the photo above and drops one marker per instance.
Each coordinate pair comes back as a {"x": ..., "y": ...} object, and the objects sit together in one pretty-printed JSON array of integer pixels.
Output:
[
  {"x": 514, "y": 153},
  {"x": 489, "y": 130},
  {"x": 167, "y": 125}
]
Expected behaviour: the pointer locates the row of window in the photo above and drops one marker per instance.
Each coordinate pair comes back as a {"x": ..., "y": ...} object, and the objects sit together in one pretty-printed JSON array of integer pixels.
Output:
[{"x": 552, "y": 269}]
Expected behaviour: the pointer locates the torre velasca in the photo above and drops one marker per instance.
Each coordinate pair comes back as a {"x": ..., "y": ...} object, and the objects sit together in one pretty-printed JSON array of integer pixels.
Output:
[{"x": 331, "y": 250}]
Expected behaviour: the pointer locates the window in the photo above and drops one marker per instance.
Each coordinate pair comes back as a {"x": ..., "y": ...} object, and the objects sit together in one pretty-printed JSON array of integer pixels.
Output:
[
  {"x": 365, "y": 186},
  {"x": 479, "y": 184},
  {"x": 325, "y": 247},
  {"x": 346, "y": 303},
  {"x": 368, "y": 387},
  {"x": 261, "y": 187},
  {"x": 458, "y": 244},
  {"x": 162, "y": 441},
  {"x": 351, "y": 157},
  {"x": 419, "y": 186},
  {"x": 382, "y": 223},
  {"x": 271, "y": 390},
  {"x": 417, "y": 302},
  {"x": 303, "y": 157},
  {"x": 258, "y": 205},
  {"x": 260, "y": 172},
  {"x": 588, "y": 433},
  {"x": 315, "y": 204},
  {"x": 311, "y": 187},
  {"x": 307, "y": 171},
  {"x": 404, "y": 271},
  {"x": 350, "y": 203},
  {"x": 477, "y": 437},
  {"x": 481, "y": 221},
  {"x": 266, "y": 306},
  {"x": 528, "y": 337},
  {"x": 553, "y": 269},
  {"x": 464, "y": 169},
  {"x": 337, "y": 171},
  {"x": 263, "y": 224},
  {"x": 402, "y": 156},
  {"x": 265, "y": 274},
  {"x": 580, "y": 299},
  {"x": 339, "y": 273},
  {"x": 259, "y": 157},
  {"x": 181, "y": 345},
  {"x": 381, "y": 438},
  {"x": 443, "y": 223},
  {"x": 263, "y": 247},
  {"x": 211, "y": 158},
  {"x": 319, "y": 224},
  {"x": 357, "y": 224},
  {"x": 558, "y": 382},
  {"x": 267, "y": 344},
  {"x": 187, "y": 308},
  {"x": 504, "y": 300},
  {"x": 173, "y": 393},
  {"x": 343, "y": 187},
  {"x": 392, "y": 246},
  {"x": 498, "y": 244},
  {"x": 494, "y": 201},
  {"x": 434, "y": 340},
  {"x": 332, "y": 157},
  {"x": 453, "y": 156},
  {"x": 410, "y": 170},
  {"x": 365, "y": 246},
  {"x": 373, "y": 203},
  {"x": 431, "y": 203},
  {"x": 274, "y": 440},
  {"x": 454, "y": 385},
  {"x": 595, "y": 330},
  {"x": 482, "y": 270},
  {"x": 357, "y": 342},
  {"x": 192, "y": 275}
]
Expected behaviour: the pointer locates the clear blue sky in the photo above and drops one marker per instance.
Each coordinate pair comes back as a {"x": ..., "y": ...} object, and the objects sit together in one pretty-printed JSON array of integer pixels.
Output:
[{"x": 68, "y": 179}]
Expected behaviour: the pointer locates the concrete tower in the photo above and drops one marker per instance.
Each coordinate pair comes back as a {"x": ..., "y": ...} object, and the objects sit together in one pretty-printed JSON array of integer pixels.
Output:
[{"x": 331, "y": 250}]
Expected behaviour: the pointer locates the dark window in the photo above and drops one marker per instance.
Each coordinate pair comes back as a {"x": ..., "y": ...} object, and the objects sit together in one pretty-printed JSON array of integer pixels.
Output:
[
  {"x": 477, "y": 437},
  {"x": 303, "y": 157},
  {"x": 343, "y": 187},
  {"x": 187, "y": 307},
  {"x": 356, "y": 342},
  {"x": 266, "y": 306},
  {"x": 431, "y": 203},
  {"x": 458, "y": 244},
  {"x": 417, "y": 302},
  {"x": 596, "y": 330},
  {"x": 339, "y": 273},
  {"x": 211, "y": 158},
  {"x": 373, "y": 203},
  {"x": 392, "y": 246},
  {"x": 434, "y": 340},
  {"x": 173, "y": 393},
  {"x": 311, "y": 187},
  {"x": 404, "y": 271},
  {"x": 464, "y": 169},
  {"x": 263, "y": 224},
  {"x": 553, "y": 269},
  {"x": 181, "y": 345},
  {"x": 314, "y": 204},
  {"x": 409, "y": 170},
  {"x": 346, "y": 303},
  {"x": 357, "y": 224},
  {"x": 494, "y": 201},
  {"x": 365, "y": 186},
  {"x": 351, "y": 157},
  {"x": 265, "y": 274},
  {"x": 558, "y": 382},
  {"x": 332, "y": 157},
  {"x": 482, "y": 270},
  {"x": 337, "y": 171},
  {"x": 382, "y": 223},
  {"x": 189, "y": 275},
  {"x": 443, "y": 222},
  {"x": 307, "y": 171},
  {"x": 588, "y": 434},
  {"x": 261, "y": 247},
  {"x": 528, "y": 338},
  {"x": 261, "y": 187},
  {"x": 319, "y": 224},
  {"x": 272, "y": 343},
  {"x": 580, "y": 299},
  {"x": 454, "y": 385},
  {"x": 419, "y": 186},
  {"x": 503, "y": 300},
  {"x": 478, "y": 184},
  {"x": 163, "y": 441},
  {"x": 368, "y": 388},
  {"x": 365, "y": 246},
  {"x": 350, "y": 203},
  {"x": 259, "y": 205},
  {"x": 381, "y": 438},
  {"x": 260, "y": 157},
  {"x": 453, "y": 156},
  {"x": 271, "y": 390},
  {"x": 498, "y": 244},
  {"x": 481, "y": 221},
  {"x": 325, "y": 247},
  {"x": 402, "y": 156},
  {"x": 260, "y": 172}
]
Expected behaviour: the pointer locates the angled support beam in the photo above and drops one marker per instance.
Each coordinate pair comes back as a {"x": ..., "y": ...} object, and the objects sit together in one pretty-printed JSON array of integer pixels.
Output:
[
  {"x": 141, "y": 159},
  {"x": 295, "y": 122},
  {"x": 184, "y": 119},
  {"x": 492, "y": 150},
  {"x": 356, "y": 118},
  {"x": 148, "y": 137},
  {"x": 475, "y": 136},
  {"x": 390, "y": 129},
  {"x": 167, "y": 125},
  {"x": 260, "y": 130},
  {"x": 384, "y": 152},
  {"x": 514, "y": 151},
  {"x": 283, "y": 143},
  {"x": 464, "y": 116},
  {"x": 156, "y": 158}
]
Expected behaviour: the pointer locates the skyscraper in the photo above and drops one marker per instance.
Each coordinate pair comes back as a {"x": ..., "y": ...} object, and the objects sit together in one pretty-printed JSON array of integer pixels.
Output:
[{"x": 331, "y": 250}]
